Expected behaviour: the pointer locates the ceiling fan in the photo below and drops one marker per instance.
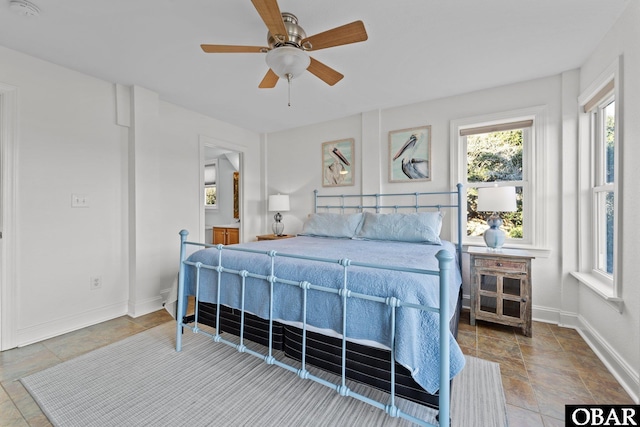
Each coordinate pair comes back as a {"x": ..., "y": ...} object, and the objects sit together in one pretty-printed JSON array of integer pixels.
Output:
[{"x": 287, "y": 55}]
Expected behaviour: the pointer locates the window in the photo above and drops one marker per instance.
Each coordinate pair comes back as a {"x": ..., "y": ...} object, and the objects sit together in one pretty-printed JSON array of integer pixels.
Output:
[
  {"x": 599, "y": 151},
  {"x": 601, "y": 110},
  {"x": 604, "y": 119},
  {"x": 503, "y": 149},
  {"x": 496, "y": 157},
  {"x": 210, "y": 186}
]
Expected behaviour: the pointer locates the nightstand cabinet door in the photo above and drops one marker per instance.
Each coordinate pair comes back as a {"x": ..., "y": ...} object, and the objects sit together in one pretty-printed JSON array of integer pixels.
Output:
[{"x": 501, "y": 289}]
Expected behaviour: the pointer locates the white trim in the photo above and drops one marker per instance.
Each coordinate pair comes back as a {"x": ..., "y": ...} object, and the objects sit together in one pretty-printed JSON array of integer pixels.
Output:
[
  {"x": 536, "y": 181},
  {"x": 609, "y": 73},
  {"x": 148, "y": 305},
  {"x": 626, "y": 375},
  {"x": 600, "y": 288},
  {"x": 586, "y": 180},
  {"x": 207, "y": 141},
  {"x": 63, "y": 325},
  {"x": 8, "y": 216}
]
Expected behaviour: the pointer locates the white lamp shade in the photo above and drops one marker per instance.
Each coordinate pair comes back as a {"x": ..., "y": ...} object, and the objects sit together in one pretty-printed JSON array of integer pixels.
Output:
[
  {"x": 278, "y": 203},
  {"x": 285, "y": 60},
  {"x": 497, "y": 199}
]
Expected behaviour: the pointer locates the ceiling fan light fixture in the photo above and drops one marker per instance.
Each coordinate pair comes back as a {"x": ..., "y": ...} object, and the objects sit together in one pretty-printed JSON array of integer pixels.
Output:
[
  {"x": 24, "y": 8},
  {"x": 288, "y": 62}
]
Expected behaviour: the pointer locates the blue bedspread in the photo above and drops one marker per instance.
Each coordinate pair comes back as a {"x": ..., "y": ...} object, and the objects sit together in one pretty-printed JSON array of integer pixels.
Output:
[{"x": 417, "y": 335}]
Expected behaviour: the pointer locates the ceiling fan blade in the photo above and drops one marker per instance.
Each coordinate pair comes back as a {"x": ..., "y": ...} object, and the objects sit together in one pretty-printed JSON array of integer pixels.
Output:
[
  {"x": 270, "y": 13},
  {"x": 324, "y": 72},
  {"x": 223, "y": 48},
  {"x": 269, "y": 81},
  {"x": 346, "y": 34}
]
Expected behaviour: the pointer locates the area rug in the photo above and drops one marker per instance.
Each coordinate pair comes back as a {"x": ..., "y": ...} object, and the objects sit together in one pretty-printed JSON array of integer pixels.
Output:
[{"x": 143, "y": 381}]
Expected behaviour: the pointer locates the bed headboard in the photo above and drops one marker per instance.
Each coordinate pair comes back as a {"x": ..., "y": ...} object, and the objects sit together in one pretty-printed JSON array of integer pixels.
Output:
[{"x": 395, "y": 202}]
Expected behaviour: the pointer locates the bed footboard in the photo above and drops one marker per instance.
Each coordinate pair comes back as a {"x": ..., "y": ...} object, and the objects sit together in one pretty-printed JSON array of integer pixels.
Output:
[{"x": 445, "y": 261}]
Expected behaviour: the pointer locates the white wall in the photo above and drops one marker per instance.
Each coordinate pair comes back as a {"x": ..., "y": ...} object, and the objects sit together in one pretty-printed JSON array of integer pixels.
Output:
[
  {"x": 168, "y": 198},
  {"x": 557, "y": 297},
  {"x": 616, "y": 336},
  {"x": 67, "y": 142},
  {"x": 141, "y": 179},
  {"x": 296, "y": 153}
]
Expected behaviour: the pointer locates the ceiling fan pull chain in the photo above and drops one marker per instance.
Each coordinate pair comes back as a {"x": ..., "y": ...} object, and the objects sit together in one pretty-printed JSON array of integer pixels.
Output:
[{"x": 289, "y": 89}]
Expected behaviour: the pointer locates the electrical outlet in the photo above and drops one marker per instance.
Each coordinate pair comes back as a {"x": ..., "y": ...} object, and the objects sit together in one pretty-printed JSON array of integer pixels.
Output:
[
  {"x": 95, "y": 282},
  {"x": 79, "y": 201}
]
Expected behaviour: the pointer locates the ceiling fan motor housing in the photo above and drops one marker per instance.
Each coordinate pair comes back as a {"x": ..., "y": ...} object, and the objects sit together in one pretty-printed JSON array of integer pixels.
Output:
[{"x": 295, "y": 32}]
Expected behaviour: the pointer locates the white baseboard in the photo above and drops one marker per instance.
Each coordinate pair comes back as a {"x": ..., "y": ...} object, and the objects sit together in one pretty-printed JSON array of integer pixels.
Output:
[
  {"x": 147, "y": 306},
  {"x": 626, "y": 375},
  {"x": 545, "y": 314},
  {"x": 619, "y": 368},
  {"x": 63, "y": 325}
]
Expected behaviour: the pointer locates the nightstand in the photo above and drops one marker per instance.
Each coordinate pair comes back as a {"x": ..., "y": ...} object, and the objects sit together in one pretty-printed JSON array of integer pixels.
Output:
[
  {"x": 501, "y": 287},
  {"x": 274, "y": 237}
]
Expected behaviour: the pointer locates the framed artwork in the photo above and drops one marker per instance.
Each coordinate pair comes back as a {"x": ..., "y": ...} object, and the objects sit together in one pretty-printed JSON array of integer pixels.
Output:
[
  {"x": 410, "y": 154},
  {"x": 236, "y": 192},
  {"x": 337, "y": 163}
]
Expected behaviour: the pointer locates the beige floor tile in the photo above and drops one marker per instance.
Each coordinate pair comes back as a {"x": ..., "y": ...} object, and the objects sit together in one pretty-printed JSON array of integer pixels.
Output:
[
  {"x": 519, "y": 393},
  {"x": 540, "y": 374},
  {"x": 10, "y": 416},
  {"x": 19, "y": 362},
  {"x": 519, "y": 417},
  {"x": 552, "y": 422},
  {"x": 153, "y": 319}
]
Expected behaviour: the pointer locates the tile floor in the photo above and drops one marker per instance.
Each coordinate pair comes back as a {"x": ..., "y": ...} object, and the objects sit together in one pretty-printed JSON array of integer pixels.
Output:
[
  {"x": 540, "y": 374},
  {"x": 543, "y": 373}
]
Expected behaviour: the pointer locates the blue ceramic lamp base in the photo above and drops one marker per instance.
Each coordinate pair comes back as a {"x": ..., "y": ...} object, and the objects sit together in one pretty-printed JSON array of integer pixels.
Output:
[{"x": 494, "y": 237}]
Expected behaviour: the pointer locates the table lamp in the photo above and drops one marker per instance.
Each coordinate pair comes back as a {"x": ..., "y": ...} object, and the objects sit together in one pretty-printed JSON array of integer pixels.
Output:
[
  {"x": 495, "y": 200},
  {"x": 278, "y": 203}
]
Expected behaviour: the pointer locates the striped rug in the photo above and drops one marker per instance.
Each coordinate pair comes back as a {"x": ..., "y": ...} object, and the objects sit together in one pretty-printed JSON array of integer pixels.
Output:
[{"x": 143, "y": 381}]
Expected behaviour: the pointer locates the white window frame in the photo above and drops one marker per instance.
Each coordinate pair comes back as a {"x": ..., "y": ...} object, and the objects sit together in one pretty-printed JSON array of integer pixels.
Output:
[
  {"x": 534, "y": 153},
  {"x": 591, "y": 183},
  {"x": 600, "y": 187},
  {"x": 211, "y": 164}
]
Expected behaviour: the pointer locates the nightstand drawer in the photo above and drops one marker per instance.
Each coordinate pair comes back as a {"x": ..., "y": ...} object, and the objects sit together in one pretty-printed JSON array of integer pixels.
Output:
[{"x": 501, "y": 264}]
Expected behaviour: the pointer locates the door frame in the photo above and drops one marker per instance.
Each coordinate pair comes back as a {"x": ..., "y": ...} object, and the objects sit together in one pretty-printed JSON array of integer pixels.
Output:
[
  {"x": 8, "y": 192},
  {"x": 207, "y": 141}
]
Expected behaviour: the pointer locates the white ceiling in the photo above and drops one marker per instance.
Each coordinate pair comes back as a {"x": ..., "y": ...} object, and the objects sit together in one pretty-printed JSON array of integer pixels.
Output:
[{"x": 417, "y": 50}]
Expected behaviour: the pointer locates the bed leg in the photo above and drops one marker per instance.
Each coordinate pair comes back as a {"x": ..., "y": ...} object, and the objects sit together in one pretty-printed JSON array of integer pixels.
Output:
[{"x": 438, "y": 418}]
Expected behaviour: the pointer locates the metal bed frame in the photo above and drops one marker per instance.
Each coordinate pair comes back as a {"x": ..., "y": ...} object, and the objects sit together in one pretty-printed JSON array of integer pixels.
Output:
[{"x": 444, "y": 262}]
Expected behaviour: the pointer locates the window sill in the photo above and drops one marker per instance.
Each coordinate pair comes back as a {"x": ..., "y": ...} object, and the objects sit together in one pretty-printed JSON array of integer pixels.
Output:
[{"x": 601, "y": 289}]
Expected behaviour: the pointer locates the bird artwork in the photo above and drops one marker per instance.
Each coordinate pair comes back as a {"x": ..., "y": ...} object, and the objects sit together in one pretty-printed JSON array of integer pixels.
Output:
[
  {"x": 337, "y": 167},
  {"x": 412, "y": 167},
  {"x": 336, "y": 171}
]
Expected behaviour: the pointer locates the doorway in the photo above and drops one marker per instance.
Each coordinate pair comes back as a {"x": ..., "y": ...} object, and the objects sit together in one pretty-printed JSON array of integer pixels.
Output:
[{"x": 221, "y": 186}]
